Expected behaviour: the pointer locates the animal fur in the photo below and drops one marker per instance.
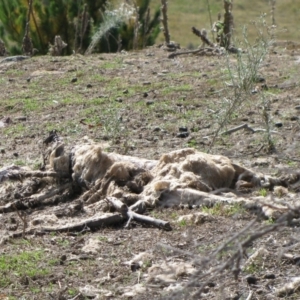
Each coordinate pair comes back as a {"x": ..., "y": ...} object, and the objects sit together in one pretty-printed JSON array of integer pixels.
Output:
[{"x": 154, "y": 181}]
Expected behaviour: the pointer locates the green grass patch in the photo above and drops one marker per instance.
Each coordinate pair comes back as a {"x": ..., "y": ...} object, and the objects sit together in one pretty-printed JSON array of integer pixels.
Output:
[
  {"x": 14, "y": 130},
  {"x": 27, "y": 263},
  {"x": 263, "y": 192},
  {"x": 220, "y": 209}
]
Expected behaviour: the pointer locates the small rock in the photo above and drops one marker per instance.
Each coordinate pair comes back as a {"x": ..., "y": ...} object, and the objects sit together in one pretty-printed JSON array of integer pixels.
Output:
[
  {"x": 74, "y": 79},
  {"x": 262, "y": 162},
  {"x": 22, "y": 118},
  {"x": 150, "y": 102},
  {"x": 182, "y": 134},
  {"x": 89, "y": 86},
  {"x": 125, "y": 92},
  {"x": 251, "y": 279},
  {"x": 278, "y": 124},
  {"x": 211, "y": 284},
  {"x": 269, "y": 276},
  {"x": 63, "y": 258},
  {"x": 260, "y": 79},
  {"x": 183, "y": 129},
  {"x": 134, "y": 266}
]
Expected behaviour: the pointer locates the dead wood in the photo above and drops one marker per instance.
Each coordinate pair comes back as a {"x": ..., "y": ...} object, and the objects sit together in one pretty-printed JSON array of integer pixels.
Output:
[
  {"x": 70, "y": 209},
  {"x": 15, "y": 173},
  {"x": 33, "y": 202},
  {"x": 131, "y": 215},
  {"x": 246, "y": 127},
  {"x": 243, "y": 126},
  {"x": 3, "y": 50},
  {"x": 57, "y": 48},
  {"x": 92, "y": 223},
  {"x": 89, "y": 224},
  {"x": 164, "y": 21},
  {"x": 14, "y": 58},
  {"x": 148, "y": 220},
  {"x": 241, "y": 241},
  {"x": 203, "y": 36},
  {"x": 172, "y": 55},
  {"x": 27, "y": 46},
  {"x": 201, "y": 51}
]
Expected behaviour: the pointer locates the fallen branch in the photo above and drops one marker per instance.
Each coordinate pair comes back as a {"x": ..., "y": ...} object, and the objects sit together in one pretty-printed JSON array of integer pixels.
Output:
[
  {"x": 238, "y": 243},
  {"x": 16, "y": 173},
  {"x": 199, "y": 51},
  {"x": 164, "y": 21},
  {"x": 14, "y": 58},
  {"x": 243, "y": 126},
  {"x": 92, "y": 224},
  {"x": 33, "y": 202},
  {"x": 248, "y": 128},
  {"x": 131, "y": 215},
  {"x": 203, "y": 36},
  {"x": 172, "y": 55}
]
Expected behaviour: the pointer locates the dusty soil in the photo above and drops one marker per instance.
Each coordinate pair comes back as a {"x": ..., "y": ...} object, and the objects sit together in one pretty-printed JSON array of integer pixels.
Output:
[{"x": 139, "y": 104}]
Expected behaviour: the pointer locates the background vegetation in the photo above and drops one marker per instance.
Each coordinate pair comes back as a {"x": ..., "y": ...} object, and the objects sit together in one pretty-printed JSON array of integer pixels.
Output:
[
  {"x": 185, "y": 14},
  {"x": 77, "y": 22}
]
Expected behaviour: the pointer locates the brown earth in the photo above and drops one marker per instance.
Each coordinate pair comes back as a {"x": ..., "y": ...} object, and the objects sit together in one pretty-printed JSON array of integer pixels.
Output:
[{"x": 137, "y": 102}]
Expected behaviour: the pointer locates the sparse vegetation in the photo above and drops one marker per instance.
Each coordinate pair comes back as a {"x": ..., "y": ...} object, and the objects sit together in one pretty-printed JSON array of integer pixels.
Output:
[
  {"x": 225, "y": 210},
  {"x": 139, "y": 104}
]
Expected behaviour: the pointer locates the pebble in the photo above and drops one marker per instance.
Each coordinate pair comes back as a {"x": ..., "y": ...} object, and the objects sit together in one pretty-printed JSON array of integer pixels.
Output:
[
  {"x": 21, "y": 118},
  {"x": 149, "y": 102},
  {"x": 260, "y": 79},
  {"x": 183, "y": 129},
  {"x": 182, "y": 134},
  {"x": 251, "y": 279},
  {"x": 269, "y": 276},
  {"x": 278, "y": 124}
]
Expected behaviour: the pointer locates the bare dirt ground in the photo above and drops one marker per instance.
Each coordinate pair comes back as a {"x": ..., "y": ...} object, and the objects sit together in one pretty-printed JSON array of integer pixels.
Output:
[{"x": 144, "y": 104}]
